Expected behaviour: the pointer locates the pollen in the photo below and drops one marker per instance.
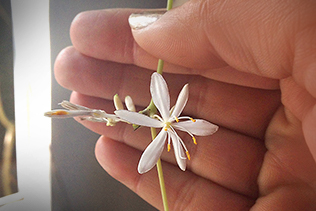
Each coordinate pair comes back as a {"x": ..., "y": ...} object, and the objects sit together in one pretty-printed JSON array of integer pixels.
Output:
[
  {"x": 193, "y": 120},
  {"x": 169, "y": 147},
  {"x": 188, "y": 155}
]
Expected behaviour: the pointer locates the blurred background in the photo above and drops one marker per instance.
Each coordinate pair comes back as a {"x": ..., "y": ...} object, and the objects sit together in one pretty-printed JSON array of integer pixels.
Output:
[
  {"x": 8, "y": 173},
  {"x": 78, "y": 182}
]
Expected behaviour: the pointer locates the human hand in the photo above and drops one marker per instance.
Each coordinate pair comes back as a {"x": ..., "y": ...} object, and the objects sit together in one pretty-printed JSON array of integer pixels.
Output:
[{"x": 250, "y": 69}]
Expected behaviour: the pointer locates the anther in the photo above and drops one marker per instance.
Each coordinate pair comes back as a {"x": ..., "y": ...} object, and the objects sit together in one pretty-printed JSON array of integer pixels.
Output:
[
  {"x": 194, "y": 140},
  {"x": 169, "y": 147},
  {"x": 188, "y": 155},
  {"x": 193, "y": 120},
  {"x": 177, "y": 120}
]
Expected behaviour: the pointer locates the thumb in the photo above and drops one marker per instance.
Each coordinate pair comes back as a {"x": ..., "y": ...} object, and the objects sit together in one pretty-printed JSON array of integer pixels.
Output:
[
  {"x": 175, "y": 36},
  {"x": 252, "y": 36}
]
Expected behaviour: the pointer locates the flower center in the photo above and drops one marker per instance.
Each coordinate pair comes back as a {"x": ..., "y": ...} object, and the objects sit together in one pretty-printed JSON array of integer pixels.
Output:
[{"x": 167, "y": 125}]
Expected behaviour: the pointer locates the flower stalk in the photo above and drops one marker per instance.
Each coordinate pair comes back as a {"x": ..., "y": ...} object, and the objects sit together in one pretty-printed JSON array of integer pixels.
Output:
[
  {"x": 160, "y": 176},
  {"x": 154, "y": 134}
]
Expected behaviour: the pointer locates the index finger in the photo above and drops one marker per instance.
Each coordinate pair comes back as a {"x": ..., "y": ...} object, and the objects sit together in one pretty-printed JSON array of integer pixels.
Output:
[{"x": 106, "y": 35}]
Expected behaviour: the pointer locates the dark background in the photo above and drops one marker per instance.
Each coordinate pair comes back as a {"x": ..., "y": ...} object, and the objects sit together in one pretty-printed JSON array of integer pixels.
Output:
[{"x": 78, "y": 182}]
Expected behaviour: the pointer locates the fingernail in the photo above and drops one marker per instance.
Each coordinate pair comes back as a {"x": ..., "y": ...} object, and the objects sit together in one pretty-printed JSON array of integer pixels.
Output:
[{"x": 141, "y": 20}]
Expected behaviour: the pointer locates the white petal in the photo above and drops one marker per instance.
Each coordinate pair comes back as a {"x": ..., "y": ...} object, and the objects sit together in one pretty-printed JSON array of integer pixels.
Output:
[
  {"x": 60, "y": 113},
  {"x": 200, "y": 127},
  {"x": 152, "y": 153},
  {"x": 71, "y": 106},
  {"x": 181, "y": 101},
  {"x": 160, "y": 94},
  {"x": 178, "y": 152},
  {"x": 138, "y": 119}
]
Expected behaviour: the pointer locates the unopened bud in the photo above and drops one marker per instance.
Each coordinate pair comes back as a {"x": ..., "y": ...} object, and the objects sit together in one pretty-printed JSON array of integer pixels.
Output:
[
  {"x": 129, "y": 104},
  {"x": 117, "y": 102}
]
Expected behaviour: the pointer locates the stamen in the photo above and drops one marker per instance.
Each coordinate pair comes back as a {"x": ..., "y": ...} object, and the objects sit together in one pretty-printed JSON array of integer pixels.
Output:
[
  {"x": 184, "y": 129},
  {"x": 169, "y": 145},
  {"x": 194, "y": 140},
  {"x": 177, "y": 120},
  {"x": 187, "y": 117},
  {"x": 188, "y": 155},
  {"x": 165, "y": 129},
  {"x": 157, "y": 117},
  {"x": 181, "y": 142}
]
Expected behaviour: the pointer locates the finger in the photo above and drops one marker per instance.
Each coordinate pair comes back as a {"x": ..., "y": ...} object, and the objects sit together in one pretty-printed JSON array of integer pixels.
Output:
[
  {"x": 309, "y": 125},
  {"x": 185, "y": 190},
  {"x": 242, "y": 152},
  {"x": 106, "y": 35},
  {"x": 283, "y": 177},
  {"x": 231, "y": 106},
  {"x": 252, "y": 36},
  {"x": 99, "y": 78},
  {"x": 302, "y": 104}
]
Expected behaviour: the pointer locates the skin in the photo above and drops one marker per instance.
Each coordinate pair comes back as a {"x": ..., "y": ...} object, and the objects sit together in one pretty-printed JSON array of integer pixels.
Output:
[{"x": 251, "y": 69}]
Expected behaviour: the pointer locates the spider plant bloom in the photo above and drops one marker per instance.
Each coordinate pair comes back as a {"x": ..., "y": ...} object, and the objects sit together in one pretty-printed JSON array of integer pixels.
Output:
[
  {"x": 170, "y": 121},
  {"x": 74, "y": 110}
]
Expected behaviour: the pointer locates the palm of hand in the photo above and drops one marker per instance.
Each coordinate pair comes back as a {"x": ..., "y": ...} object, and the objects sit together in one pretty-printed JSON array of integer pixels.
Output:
[{"x": 257, "y": 159}]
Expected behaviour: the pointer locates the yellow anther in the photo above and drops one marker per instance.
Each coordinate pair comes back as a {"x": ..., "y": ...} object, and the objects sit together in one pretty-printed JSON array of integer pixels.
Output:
[
  {"x": 193, "y": 120},
  {"x": 169, "y": 147},
  {"x": 177, "y": 120},
  {"x": 165, "y": 129},
  {"x": 194, "y": 140},
  {"x": 188, "y": 155}
]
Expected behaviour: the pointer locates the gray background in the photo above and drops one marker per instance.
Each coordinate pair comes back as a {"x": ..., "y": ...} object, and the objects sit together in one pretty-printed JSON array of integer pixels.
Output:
[{"x": 78, "y": 182}]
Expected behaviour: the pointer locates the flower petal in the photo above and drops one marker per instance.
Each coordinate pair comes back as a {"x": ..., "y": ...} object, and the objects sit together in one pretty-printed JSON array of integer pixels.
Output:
[
  {"x": 200, "y": 127},
  {"x": 152, "y": 153},
  {"x": 181, "y": 101},
  {"x": 178, "y": 152},
  {"x": 71, "y": 106},
  {"x": 61, "y": 113},
  {"x": 138, "y": 119},
  {"x": 160, "y": 94}
]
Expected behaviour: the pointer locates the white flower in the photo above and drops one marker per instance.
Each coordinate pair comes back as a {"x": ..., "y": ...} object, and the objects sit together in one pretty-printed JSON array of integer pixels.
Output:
[{"x": 169, "y": 121}]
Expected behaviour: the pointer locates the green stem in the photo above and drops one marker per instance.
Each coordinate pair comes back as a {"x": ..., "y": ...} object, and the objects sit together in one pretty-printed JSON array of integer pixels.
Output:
[
  {"x": 160, "y": 66},
  {"x": 154, "y": 134},
  {"x": 160, "y": 176},
  {"x": 169, "y": 4}
]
